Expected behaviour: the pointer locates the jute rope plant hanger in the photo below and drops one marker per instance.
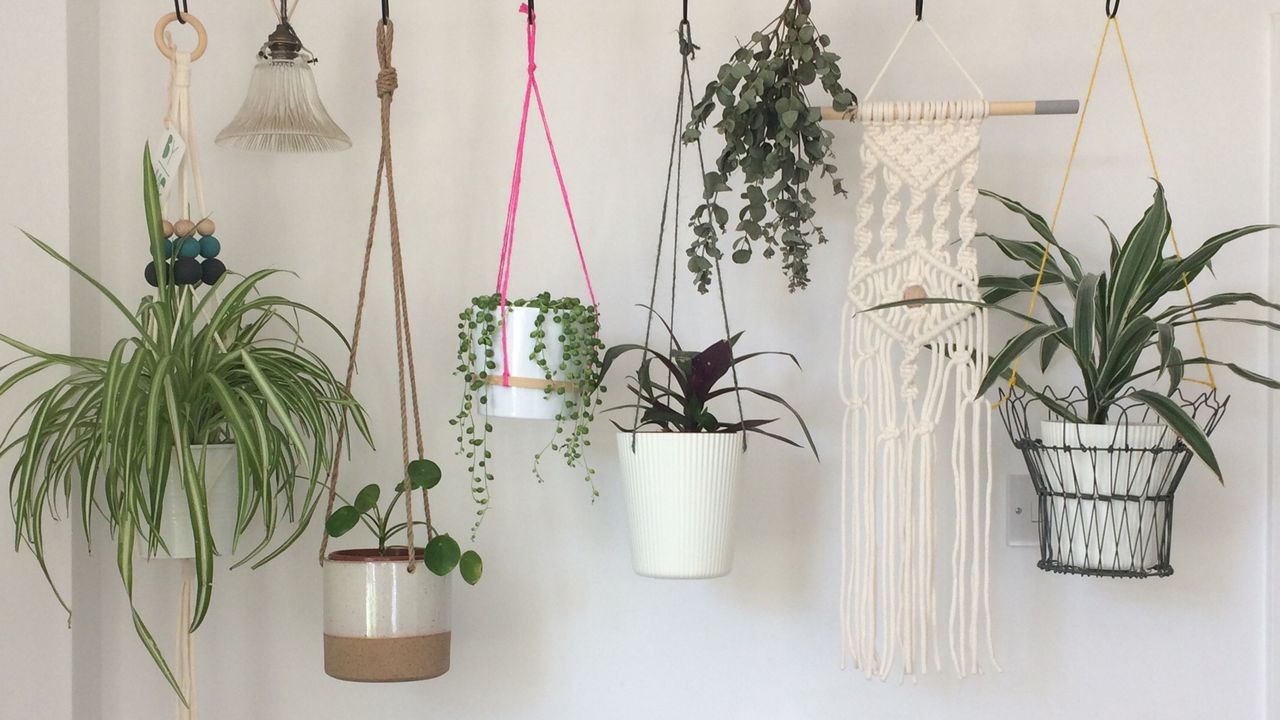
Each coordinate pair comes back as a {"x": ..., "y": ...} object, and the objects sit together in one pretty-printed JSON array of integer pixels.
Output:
[
  {"x": 407, "y": 378},
  {"x": 889, "y": 599}
]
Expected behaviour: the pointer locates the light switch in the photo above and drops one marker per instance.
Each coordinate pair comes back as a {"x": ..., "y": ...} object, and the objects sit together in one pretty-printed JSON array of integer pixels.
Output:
[{"x": 1022, "y": 519}]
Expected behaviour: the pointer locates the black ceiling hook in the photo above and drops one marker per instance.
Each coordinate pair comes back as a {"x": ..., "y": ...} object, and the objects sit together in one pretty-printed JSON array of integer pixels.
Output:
[
  {"x": 685, "y": 16},
  {"x": 530, "y": 3},
  {"x": 386, "y": 11},
  {"x": 919, "y": 10},
  {"x": 180, "y": 10},
  {"x": 1113, "y": 8}
]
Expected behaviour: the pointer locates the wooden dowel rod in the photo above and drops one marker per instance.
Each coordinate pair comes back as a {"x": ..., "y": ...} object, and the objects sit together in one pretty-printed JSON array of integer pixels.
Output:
[{"x": 1001, "y": 108}]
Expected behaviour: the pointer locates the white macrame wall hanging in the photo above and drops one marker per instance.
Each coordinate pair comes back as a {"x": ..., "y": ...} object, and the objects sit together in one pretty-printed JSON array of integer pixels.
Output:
[{"x": 916, "y": 437}]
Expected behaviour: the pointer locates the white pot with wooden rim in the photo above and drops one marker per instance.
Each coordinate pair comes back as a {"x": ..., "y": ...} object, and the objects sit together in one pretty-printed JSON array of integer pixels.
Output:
[
  {"x": 681, "y": 491},
  {"x": 222, "y": 495},
  {"x": 1108, "y": 473},
  {"x": 383, "y": 623},
  {"x": 527, "y": 393}
]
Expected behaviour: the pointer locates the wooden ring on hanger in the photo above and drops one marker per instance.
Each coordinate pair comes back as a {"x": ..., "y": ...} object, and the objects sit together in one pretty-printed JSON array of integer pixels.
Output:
[{"x": 202, "y": 38}]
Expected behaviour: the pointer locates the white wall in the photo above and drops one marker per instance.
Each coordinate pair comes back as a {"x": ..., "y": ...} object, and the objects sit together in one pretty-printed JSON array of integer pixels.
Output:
[
  {"x": 560, "y": 627},
  {"x": 35, "y": 665}
]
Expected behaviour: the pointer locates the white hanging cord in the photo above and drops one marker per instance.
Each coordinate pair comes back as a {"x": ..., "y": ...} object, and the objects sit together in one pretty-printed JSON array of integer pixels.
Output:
[
  {"x": 945, "y": 48},
  {"x": 186, "y": 645},
  {"x": 178, "y": 119},
  {"x": 275, "y": 8}
]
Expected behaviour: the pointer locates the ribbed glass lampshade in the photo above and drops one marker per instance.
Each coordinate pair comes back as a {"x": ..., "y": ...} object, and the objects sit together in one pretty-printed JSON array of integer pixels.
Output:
[{"x": 283, "y": 112}]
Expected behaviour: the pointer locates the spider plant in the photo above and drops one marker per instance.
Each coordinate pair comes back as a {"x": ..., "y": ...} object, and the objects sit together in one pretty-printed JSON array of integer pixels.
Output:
[
  {"x": 1117, "y": 315},
  {"x": 681, "y": 405},
  {"x": 227, "y": 366},
  {"x": 441, "y": 554}
]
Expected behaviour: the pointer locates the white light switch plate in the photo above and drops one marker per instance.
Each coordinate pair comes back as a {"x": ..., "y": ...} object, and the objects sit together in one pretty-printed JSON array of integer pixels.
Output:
[{"x": 1022, "y": 521}]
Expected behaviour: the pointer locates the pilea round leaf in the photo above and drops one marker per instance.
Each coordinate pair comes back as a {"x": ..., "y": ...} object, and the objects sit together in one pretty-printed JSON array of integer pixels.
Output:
[
  {"x": 471, "y": 567},
  {"x": 341, "y": 521},
  {"x": 424, "y": 473},
  {"x": 442, "y": 555},
  {"x": 367, "y": 498}
]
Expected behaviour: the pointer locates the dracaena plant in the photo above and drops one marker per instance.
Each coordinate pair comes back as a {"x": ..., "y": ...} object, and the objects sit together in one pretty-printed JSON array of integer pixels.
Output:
[
  {"x": 774, "y": 137},
  {"x": 441, "y": 553},
  {"x": 1121, "y": 328},
  {"x": 225, "y": 367},
  {"x": 679, "y": 397}
]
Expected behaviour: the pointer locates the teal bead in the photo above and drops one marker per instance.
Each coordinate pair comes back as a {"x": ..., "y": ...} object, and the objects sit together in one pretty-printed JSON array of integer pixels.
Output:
[
  {"x": 168, "y": 248},
  {"x": 189, "y": 248},
  {"x": 209, "y": 246}
]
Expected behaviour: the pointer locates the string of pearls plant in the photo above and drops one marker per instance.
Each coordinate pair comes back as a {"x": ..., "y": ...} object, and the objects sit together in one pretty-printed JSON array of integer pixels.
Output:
[{"x": 575, "y": 379}]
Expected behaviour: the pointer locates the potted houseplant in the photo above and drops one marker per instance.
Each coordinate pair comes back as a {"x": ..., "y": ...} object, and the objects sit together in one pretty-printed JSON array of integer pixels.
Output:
[
  {"x": 210, "y": 399},
  {"x": 535, "y": 359},
  {"x": 774, "y": 137},
  {"x": 1107, "y": 457},
  {"x": 680, "y": 462},
  {"x": 382, "y": 621}
]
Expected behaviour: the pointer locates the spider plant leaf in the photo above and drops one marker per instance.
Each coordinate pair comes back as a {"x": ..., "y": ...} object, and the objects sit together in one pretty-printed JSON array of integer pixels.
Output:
[
  {"x": 102, "y": 289},
  {"x": 273, "y": 400},
  {"x": 197, "y": 508},
  {"x": 1182, "y": 424}
]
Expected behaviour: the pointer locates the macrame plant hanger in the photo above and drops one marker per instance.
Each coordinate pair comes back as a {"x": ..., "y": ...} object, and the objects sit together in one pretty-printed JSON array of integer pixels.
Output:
[
  {"x": 675, "y": 169},
  {"x": 531, "y": 92},
  {"x": 901, "y": 370},
  {"x": 1113, "y": 22},
  {"x": 180, "y": 127},
  {"x": 386, "y": 84}
]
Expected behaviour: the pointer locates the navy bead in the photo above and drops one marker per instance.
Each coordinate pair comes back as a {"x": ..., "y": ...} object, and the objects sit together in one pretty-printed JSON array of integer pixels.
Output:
[
  {"x": 188, "y": 248},
  {"x": 209, "y": 246},
  {"x": 186, "y": 271},
  {"x": 211, "y": 270},
  {"x": 150, "y": 274}
]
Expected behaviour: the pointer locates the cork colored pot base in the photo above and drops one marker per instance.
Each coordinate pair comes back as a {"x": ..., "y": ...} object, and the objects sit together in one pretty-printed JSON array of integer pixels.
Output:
[{"x": 401, "y": 659}]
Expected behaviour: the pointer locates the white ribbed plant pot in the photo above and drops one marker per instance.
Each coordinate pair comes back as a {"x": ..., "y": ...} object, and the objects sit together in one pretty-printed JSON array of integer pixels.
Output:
[
  {"x": 681, "y": 492},
  {"x": 528, "y": 403},
  {"x": 1090, "y": 541},
  {"x": 383, "y": 623},
  {"x": 222, "y": 493}
]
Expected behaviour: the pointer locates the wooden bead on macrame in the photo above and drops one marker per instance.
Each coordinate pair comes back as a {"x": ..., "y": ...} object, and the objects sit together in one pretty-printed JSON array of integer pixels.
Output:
[
  {"x": 184, "y": 227},
  {"x": 186, "y": 271},
  {"x": 211, "y": 270},
  {"x": 205, "y": 227},
  {"x": 168, "y": 228},
  {"x": 209, "y": 246}
]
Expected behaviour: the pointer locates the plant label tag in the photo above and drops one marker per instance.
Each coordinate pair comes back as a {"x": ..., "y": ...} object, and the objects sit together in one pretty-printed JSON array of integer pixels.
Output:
[{"x": 166, "y": 160}]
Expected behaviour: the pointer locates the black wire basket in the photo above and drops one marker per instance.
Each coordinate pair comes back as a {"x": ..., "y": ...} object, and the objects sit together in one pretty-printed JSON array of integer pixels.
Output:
[{"x": 1105, "y": 492}]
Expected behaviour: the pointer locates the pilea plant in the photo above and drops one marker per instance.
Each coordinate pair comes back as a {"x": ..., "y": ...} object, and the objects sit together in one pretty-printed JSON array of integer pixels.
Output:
[
  {"x": 479, "y": 348},
  {"x": 774, "y": 137},
  {"x": 441, "y": 554}
]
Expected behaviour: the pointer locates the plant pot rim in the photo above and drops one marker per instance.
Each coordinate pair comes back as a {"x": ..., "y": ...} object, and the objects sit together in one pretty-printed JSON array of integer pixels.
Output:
[
  {"x": 734, "y": 433},
  {"x": 1108, "y": 425},
  {"x": 372, "y": 555}
]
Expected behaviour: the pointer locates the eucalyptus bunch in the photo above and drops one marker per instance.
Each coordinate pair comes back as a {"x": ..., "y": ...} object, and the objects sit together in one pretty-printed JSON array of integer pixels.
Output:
[
  {"x": 228, "y": 366},
  {"x": 774, "y": 137},
  {"x": 479, "y": 345},
  {"x": 441, "y": 553},
  {"x": 680, "y": 403},
  {"x": 1121, "y": 328}
]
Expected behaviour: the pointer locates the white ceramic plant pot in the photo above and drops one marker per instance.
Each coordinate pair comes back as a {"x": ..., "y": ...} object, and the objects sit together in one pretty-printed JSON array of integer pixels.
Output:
[
  {"x": 519, "y": 400},
  {"x": 383, "y": 623},
  {"x": 222, "y": 493},
  {"x": 1106, "y": 534},
  {"x": 681, "y": 493}
]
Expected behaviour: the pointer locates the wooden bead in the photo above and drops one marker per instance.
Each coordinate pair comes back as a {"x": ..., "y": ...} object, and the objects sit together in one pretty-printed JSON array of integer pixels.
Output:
[
  {"x": 168, "y": 228},
  {"x": 184, "y": 228},
  {"x": 914, "y": 292},
  {"x": 206, "y": 227}
]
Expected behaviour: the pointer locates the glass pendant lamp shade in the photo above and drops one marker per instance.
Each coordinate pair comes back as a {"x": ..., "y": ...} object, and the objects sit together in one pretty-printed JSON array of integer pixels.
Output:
[{"x": 283, "y": 111}]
